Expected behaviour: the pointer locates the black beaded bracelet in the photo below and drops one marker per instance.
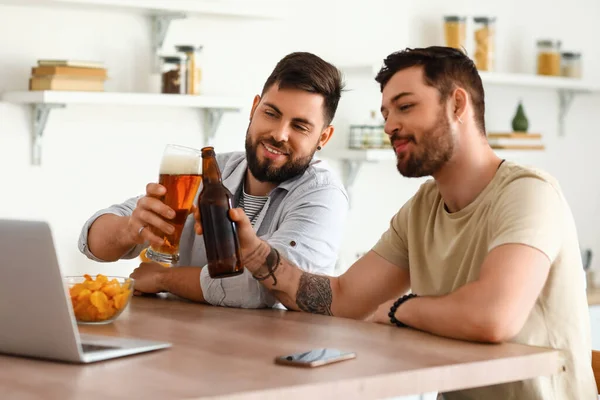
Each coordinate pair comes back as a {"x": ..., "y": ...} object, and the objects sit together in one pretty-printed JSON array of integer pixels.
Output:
[{"x": 397, "y": 303}]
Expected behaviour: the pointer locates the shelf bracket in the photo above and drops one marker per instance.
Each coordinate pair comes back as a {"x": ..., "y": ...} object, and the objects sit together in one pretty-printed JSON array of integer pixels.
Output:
[
  {"x": 350, "y": 170},
  {"x": 211, "y": 118},
  {"x": 160, "y": 27},
  {"x": 40, "y": 113},
  {"x": 565, "y": 99}
]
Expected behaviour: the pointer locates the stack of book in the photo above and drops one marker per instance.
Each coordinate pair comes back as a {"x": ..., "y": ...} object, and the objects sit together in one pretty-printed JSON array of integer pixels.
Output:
[
  {"x": 71, "y": 75},
  {"x": 515, "y": 141}
]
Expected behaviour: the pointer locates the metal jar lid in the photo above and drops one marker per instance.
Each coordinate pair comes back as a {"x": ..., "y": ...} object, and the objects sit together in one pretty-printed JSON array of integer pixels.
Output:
[
  {"x": 172, "y": 59},
  {"x": 454, "y": 18},
  {"x": 484, "y": 20},
  {"x": 570, "y": 55},
  {"x": 187, "y": 48}
]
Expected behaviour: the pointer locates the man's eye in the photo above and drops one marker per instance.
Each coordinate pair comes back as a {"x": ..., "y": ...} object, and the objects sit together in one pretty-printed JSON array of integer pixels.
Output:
[{"x": 300, "y": 128}]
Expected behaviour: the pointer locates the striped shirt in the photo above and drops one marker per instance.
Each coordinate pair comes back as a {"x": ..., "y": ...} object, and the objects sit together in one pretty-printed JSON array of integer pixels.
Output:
[{"x": 252, "y": 205}]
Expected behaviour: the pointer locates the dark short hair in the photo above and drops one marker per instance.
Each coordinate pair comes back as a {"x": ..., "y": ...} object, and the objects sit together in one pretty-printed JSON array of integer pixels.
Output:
[
  {"x": 444, "y": 68},
  {"x": 308, "y": 72}
]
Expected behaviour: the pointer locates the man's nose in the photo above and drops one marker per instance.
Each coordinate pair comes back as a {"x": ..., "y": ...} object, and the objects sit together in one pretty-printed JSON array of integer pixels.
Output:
[
  {"x": 392, "y": 126},
  {"x": 281, "y": 133}
]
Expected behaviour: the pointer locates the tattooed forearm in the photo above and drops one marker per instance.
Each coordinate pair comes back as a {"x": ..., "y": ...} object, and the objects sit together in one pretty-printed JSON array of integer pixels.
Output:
[{"x": 314, "y": 294}]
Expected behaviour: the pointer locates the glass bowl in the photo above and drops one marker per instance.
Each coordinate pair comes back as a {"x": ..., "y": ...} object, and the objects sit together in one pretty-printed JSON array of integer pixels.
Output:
[{"x": 100, "y": 299}]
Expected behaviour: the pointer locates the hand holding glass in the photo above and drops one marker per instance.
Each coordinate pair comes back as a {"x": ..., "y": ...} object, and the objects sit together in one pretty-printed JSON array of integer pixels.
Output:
[{"x": 180, "y": 175}]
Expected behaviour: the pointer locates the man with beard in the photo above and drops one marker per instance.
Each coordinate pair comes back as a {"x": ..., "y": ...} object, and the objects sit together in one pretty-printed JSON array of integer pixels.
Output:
[
  {"x": 489, "y": 249},
  {"x": 294, "y": 202}
]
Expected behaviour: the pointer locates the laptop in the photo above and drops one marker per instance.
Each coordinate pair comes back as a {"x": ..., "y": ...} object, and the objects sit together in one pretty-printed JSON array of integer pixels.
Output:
[{"x": 35, "y": 308}]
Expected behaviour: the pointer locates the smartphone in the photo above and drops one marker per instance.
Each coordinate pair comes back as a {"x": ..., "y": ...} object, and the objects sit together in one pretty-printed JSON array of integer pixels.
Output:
[{"x": 315, "y": 358}]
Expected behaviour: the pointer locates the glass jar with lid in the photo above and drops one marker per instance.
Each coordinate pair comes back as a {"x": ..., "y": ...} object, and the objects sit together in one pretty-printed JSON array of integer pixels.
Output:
[
  {"x": 355, "y": 139},
  {"x": 571, "y": 64},
  {"x": 173, "y": 74},
  {"x": 455, "y": 31},
  {"x": 548, "y": 57},
  {"x": 485, "y": 47},
  {"x": 194, "y": 73}
]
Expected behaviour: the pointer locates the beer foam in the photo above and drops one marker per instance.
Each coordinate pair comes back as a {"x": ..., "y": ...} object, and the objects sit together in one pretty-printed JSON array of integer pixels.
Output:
[{"x": 180, "y": 164}]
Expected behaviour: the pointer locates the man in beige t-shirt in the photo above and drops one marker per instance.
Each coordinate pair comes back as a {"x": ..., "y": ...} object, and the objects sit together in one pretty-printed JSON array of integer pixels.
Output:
[
  {"x": 445, "y": 251},
  {"x": 488, "y": 247}
]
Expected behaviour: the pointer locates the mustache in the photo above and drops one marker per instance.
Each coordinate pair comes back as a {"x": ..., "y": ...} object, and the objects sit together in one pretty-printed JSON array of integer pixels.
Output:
[
  {"x": 409, "y": 138},
  {"x": 280, "y": 146}
]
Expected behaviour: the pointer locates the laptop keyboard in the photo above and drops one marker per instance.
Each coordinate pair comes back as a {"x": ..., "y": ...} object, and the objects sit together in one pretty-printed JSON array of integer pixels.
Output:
[{"x": 87, "y": 348}]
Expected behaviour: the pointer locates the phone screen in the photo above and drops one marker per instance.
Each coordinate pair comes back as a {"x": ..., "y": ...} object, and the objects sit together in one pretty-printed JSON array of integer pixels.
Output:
[{"x": 317, "y": 356}]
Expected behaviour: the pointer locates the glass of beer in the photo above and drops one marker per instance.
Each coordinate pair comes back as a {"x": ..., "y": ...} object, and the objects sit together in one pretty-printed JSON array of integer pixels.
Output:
[{"x": 180, "y": 175}]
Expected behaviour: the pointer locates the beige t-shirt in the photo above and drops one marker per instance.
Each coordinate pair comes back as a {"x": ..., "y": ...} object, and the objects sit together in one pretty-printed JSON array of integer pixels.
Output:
[{"x": 445, "y": 251}]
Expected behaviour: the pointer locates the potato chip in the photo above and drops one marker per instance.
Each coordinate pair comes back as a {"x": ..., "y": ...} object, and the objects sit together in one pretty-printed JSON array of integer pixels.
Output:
[{"x": 111, "y": 289}]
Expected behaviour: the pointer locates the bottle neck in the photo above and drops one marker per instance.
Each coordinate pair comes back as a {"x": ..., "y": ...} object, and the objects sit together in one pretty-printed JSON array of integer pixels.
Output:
[{"x": 210, "y": 171}]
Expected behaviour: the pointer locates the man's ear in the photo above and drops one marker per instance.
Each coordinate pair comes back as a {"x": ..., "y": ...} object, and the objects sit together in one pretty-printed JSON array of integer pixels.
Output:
[
  {"x": 325, "y": 136},
  {"x": 460, "y": 98},
  {"x": 255, "y": 104}
]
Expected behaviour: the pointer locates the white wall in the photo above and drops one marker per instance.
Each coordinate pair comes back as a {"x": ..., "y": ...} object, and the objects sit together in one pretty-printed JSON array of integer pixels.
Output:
[{"x": 96, "y": 156}]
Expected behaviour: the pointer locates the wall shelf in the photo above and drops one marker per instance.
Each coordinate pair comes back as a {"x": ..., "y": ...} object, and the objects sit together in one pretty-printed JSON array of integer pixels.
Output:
[
  {"x": 211, "y": 108},
  {"x": 515, "y": 141},
  {"x": 537, "y": 81},
  {"x": 566, "y": 88}
]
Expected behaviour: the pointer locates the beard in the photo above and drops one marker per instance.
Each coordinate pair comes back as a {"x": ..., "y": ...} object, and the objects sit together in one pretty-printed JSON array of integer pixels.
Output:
[
  {"x": 434, "y": 149},
  {"x": 265, "y": 171}
]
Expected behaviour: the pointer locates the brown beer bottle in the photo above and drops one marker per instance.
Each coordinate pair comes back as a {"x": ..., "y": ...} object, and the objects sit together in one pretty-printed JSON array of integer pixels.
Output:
[{"x": 220, "y": 233}]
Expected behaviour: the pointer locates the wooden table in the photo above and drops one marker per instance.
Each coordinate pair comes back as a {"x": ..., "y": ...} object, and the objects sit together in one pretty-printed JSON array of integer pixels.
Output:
[{"x": 228, "y": 353}]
